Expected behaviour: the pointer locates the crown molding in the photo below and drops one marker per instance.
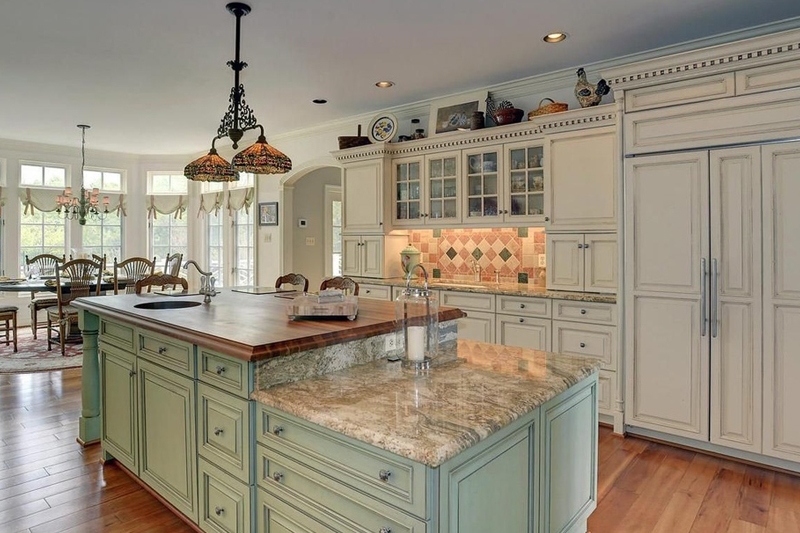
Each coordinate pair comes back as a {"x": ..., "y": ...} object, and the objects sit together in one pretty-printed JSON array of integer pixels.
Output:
[{"x": 755, "y": 51}]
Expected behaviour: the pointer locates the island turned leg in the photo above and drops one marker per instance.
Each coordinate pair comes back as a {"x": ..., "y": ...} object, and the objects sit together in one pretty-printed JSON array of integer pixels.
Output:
[{"x": 89, "y": 423}]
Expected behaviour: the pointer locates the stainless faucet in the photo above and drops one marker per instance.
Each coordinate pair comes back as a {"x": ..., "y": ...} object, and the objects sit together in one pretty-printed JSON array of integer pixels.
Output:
[
  {"x": 207, "y": 281},
  {"x": 476, "y": 269},
  {"x": 411, "y": 271}
]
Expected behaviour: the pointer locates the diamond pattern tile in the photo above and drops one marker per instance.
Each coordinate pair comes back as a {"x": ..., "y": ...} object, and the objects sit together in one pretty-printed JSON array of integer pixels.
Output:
[
  {"x": 477, "y": 253},
  {"x": 451, "y": 253},
  {"x": 505, "y": 254}
]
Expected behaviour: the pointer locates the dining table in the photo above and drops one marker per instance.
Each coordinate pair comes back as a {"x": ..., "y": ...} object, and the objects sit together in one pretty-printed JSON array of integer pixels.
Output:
[{"x": 42, "y": 285}]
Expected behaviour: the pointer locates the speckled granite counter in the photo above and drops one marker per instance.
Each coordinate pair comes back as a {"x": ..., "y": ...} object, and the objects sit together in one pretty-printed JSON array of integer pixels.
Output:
[
  {"x": 509, "y": 289},
  {"x": 431, "y": 418}
]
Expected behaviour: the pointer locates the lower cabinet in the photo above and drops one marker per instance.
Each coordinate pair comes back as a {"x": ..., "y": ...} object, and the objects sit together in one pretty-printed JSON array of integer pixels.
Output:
[
  {"x": 119, "y": 421},
  {"x": 167, "y": 436},
  {"x": 224, "y": 501},
  {"x": 524, "y": 332},
  {"x": 273, "y": 515},
  {"x": 477, "y": 326}
]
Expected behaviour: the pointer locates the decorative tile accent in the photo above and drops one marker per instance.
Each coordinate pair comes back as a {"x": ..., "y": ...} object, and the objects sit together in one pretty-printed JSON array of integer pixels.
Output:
[
  {"x": 522, "y": 232},
  {"x": 476, "y": 253},
  {"x": 522, "y": 277},
  {"x": 505, "y": 254},
  {"x": 437, "y": 272},
  {"x": 451, "y": 253},
  {"x": 437, "y": 233}
]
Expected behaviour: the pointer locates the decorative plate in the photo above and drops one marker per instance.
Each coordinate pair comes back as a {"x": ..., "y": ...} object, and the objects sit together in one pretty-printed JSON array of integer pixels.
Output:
[{"x": 383, "y": 128}]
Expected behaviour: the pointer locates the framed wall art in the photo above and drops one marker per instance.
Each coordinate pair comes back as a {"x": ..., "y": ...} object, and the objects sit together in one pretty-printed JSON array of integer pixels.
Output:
[
  {"x": 268, "y": 214},
  {"x": 455, "y": 113}
]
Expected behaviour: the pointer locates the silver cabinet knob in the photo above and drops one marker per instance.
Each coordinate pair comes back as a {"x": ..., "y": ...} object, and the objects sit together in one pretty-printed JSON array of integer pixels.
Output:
[
  {"x": 585, "y": 246},
  {"x": 367, "y": 291},
  {"x": 522, "y": 306},
  {"x": 218, "y": 431},
  {"x": 385, "y": 530},
  {"x": 583, "y": 345},
  {"x": 277, "y": 430},
  {"x": 161, "y": 350},
  {"x": 218, "y": 511},
  {"x": 277, "y": 476},
  {"x": 547, "y": 219},
  {"x": 132, "y": 373},
  {"x": 521, "y": 320},
  {"x": 384, "y": 475},
  {"x": 583, "y": 311},
  {"x": 580, "y": 246},
  {"x": 220, "y": 370}
]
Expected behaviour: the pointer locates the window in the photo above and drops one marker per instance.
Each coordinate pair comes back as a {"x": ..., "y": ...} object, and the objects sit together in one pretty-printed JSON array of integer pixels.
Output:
[
  {"x": 167, "y": 183},
  {"x": 333, "y": 230},
  {"x": 216, "y": 250},
  {"x": 168, "y": 235},
  {"x": 212, "y": 186},
  {"x": 33, "y": 175},
  {"x": 246, "y": 179},
  {"x": 109, "y": 181},
  {"x": 243, "y": 250},
  {"x": 41, "y": 233},
  {"x": 104, "y": 237}
]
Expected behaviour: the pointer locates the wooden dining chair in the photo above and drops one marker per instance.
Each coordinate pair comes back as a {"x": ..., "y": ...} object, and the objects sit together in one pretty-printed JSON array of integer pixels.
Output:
[
  {"x": 348, "y": 285},
  {"x": 160, "y": 281},
  {"x": 85, "y": 278},
  {"x": 47, "y": 267},
  {"x": 172, "y": 265},
  {"x": 292, "y": 279},
  {"x": 133, "y": 269},
  {"x": 100, "y": 258}
]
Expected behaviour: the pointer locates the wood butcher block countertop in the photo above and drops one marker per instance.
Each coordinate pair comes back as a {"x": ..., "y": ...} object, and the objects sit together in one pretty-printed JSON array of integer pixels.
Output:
[{"x": 248, "y": 326}]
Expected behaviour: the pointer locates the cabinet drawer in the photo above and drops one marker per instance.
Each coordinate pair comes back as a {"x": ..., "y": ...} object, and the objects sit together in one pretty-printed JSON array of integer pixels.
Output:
[
  {"x": 468, "y": 301},
  {"x": 680, "y": 92},
  {"x": 227, "y": 373},
  {"x": 273, "y": 515},
  {"x": 347, "y": 509},
  {"x": 597, "y": 313},
  {"x": 167, "y": 352},
  {"x": 351, "y": 463},
  {"x": 606, "y": 390},
  {"x": 224, "y": 501},
  {"x": 477, "y": 326},
  {"x": 524, "y": 332},
  {"x": 517, "y": 305},
  {"x": 376, "y": 292},
  {"x": 768, "y": 78},
  {"x": 118, "y": 335},
  {"x": 588, "y": 340},
  {"x": 224, "y": 430}
]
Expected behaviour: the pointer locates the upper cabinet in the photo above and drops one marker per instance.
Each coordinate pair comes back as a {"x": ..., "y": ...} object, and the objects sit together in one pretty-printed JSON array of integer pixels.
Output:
[
  {"x": 524, "y": 183},
  {"x": 483, "y": 198},
  {"x": 362, "y": 186},
  {"x": 581, "y": 173},
  {"x": 407, "y": 191}
]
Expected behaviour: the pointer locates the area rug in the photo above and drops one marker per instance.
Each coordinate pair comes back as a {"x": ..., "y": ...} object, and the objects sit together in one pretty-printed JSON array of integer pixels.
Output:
[{"x": 32, "y": 355}]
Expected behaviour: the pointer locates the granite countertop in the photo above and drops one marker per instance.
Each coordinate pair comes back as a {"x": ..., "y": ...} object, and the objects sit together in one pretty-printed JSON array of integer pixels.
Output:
[
  {"x": 485, "y": 287},
  {"x": 432, "y": 418}
]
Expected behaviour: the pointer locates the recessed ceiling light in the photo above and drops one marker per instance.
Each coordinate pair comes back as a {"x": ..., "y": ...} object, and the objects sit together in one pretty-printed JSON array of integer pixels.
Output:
[
  {"x": 555, "y": 37},
  {"x": 319, "y": 101},
  {"x": 384, "y": 84}
]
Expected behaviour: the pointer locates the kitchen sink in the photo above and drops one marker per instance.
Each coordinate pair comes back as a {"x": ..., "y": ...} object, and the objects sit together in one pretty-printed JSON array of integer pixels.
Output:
[{"x": 170, "y": 304}]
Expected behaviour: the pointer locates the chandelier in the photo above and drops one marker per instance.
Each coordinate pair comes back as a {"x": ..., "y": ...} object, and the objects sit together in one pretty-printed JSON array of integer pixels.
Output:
[
  {"x": 260, "y": 158},
  {"x": 87, "y": 204}
]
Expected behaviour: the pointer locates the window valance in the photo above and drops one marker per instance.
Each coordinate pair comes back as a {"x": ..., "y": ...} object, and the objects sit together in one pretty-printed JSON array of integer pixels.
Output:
[
  {"x": 211, "y": 202},
  {"x": 241, "y": 198},
  {"x": 166, "y": 204},
  {"x": 34, "y": 199}
]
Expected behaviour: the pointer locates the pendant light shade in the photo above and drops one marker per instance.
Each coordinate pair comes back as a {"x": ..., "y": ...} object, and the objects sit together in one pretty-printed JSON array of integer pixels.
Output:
[
  {"x": 210, "y": 167},
  {"x": 261, "y": 158}
]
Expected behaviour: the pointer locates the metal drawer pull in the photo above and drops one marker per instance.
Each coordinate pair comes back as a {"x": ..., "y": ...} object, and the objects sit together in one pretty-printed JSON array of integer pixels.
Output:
[
  {"x": 583, "y": 311},
  {"x": 521, "y": 320},
  {"x": 277, "y": 476},
  {"x": 703, "y": 281},
  {"x": 522, "y": 306},
  {"x": 218, "y": 431},
  {"x": 132, "y": 373},
  {"x": 220, "y": 370},
  {"x": 277, "y": 430},
  {"x": 385, "y": 530},
  {"x": 583, "y": 345},
  {"x": 384, "y": 475},
  {"x": 161, "y": 350},
  {"x": 218, "y": 511}
]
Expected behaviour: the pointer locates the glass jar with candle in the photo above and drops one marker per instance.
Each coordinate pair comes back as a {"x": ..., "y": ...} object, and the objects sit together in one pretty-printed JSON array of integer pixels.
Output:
[{"x": 417, "y": 312}]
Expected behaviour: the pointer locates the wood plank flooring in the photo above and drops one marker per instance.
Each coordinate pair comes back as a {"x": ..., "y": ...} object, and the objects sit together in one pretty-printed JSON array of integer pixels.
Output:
[{"x": 49, "y": 484}]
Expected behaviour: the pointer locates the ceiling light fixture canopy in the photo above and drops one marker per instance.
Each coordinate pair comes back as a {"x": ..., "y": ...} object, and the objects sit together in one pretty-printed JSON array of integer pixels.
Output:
[
  {"x": 555, "y": 37},
  {"x": 260, "y": 158}
]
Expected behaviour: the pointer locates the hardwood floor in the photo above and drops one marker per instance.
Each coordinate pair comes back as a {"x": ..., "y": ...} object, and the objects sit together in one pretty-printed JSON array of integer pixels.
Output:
[{"x": 49, "y": 484}]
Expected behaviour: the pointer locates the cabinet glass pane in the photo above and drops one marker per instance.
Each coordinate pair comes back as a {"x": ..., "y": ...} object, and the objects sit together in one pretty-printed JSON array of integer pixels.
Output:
[
  {"x": 413, "y": 210},
  {"x": 436, "y": 168},
  {"x": 474, "y": 164},
  {"x": 402, "y": 191},
  {"x": 475, "y": 187},
  {"x": 517, "y": 159},
  {"x": 402, "y": 211},
  {"x": 475, "y": 207},
  {"x": 490, "y": 184},
  {"x": 518, "y": 204},
  {"x": 436, "y": 209},
  {"x": 450, "y": 208},
  {"x": 535, "y": 180},
  {"x": 450, "y": 188},
  {"x": 450, "y": 166},
  {"x": 535, "y": 157},
  {"x": 413, "y": 171},
  {"x": 490, "y": 162},
  {"x": 413, "y": 190},
  {"x": 535, "y": 204},
  {"x": 490, "y": 206},
  {"x": 518, "y": 182},
  {"x": 436, "y": 189},
  {"x": 402, "y": 172}
]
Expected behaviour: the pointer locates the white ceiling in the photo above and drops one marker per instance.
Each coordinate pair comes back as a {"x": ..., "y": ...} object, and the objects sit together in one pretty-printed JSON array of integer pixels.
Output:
[{"x": 150, "y": 75}]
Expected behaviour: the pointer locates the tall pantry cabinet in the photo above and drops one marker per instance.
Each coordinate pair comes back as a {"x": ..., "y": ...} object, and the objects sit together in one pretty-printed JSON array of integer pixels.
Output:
[{"x": 697, "y": 221}]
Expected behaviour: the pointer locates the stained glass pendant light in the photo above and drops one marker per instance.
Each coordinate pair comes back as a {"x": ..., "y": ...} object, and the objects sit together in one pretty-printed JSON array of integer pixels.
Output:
[{"x": 261, "y": 158}]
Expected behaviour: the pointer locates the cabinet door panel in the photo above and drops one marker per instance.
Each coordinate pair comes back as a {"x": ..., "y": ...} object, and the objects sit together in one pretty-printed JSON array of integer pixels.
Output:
[
  {"x": 276, "y": 516},
  {"x": 442, "y": 188},
  {"x": 736, "y": 351},
  {"x": 524, "y": 332},
  {"x": 118, "y": 398},
  {"x": 477, "y": 326},
  {"x": 351, "y": 260},
  {"x": 587, "y": 340},
  {"x": 524, "y": 183},
  {"x": 363, "y": 197},
  {"x": 600, "y": 263},
  {"x": 167, "y": 436},
  {"x": 565, "y": 262},
  {"x": 483, "y": 187},
  {"x": 670, "y": 367},
  {"x": 372, "y": 257},
  {"x": 581, "y": 183},
  {"x": 407, "y": 193}
]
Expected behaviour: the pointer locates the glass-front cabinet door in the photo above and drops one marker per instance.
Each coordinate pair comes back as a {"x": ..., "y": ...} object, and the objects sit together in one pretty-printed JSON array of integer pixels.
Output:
[
  {"x": 525, "y": 183},
  {"x": 483, "y": 197},
  {"x": 442, "y": 188},
  {"x": 407, "y": 191}
]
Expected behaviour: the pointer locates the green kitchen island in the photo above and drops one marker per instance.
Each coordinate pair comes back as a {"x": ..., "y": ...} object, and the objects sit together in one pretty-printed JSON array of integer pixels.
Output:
[{"x": 241, "y": 420}]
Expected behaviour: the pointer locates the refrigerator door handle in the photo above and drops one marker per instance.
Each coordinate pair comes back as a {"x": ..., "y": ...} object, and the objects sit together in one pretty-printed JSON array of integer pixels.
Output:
[
  {"x": 714, "y": 298},
  {"x": 703, "y": 296}
]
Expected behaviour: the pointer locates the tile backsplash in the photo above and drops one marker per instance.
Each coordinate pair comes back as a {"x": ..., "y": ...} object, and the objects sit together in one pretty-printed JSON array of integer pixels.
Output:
[{"x": 514, "y": 252}]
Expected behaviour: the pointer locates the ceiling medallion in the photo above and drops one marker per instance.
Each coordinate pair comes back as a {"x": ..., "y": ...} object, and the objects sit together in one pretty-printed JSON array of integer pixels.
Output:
[{"x": 260, "y": 158}]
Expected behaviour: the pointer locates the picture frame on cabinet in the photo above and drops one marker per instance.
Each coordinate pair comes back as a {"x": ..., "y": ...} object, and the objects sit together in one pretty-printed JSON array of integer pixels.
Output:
[
  {"x": 268, "y": 213},
  {"x": 454, "y": 113}
]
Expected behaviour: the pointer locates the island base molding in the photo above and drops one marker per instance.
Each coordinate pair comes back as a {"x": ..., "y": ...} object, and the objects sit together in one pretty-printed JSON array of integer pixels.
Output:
[{"x": 715, "y": 450}]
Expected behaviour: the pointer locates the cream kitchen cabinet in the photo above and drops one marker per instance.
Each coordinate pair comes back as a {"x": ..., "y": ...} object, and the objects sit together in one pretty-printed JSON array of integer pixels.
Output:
[
  {"x": 524, "y": 183},
  {"x": 363, "y": 198},
  {"x": 427, "y": 190},
  {"x": 581, "y": 176},
  {"x": 407, "y": 184},
  {"x": 484, "y": 185},
  {"x": 582, "y": 262},
  {"x": 372, "y": 256},
  {"x": 524, "y": 332}
]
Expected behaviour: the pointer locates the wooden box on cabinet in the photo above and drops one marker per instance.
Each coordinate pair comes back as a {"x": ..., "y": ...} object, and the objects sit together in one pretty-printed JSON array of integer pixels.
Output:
[
  {"x": 581, "y": 176},
  {"x": 363, "y": 197},
  {"x": 372, "y": 256},
  {"x": 582, "y": 262}
]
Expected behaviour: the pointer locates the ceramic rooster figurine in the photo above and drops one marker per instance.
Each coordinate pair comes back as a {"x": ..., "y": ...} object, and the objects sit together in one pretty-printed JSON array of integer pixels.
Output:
[{"x": 590, "y": 94}]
